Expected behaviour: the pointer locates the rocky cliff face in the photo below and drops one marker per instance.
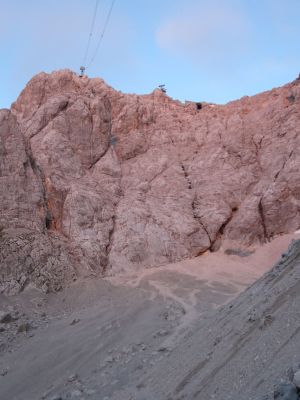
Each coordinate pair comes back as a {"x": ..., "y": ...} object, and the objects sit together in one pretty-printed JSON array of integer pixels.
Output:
[{"x": 96, "y": 181}]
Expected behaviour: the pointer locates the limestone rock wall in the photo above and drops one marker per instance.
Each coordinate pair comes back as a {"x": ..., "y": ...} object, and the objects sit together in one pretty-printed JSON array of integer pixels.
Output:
[{"x": 98, "y": 181}]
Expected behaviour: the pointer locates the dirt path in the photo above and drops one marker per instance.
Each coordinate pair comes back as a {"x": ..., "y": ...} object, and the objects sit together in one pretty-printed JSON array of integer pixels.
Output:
[{"x": 113, "y": 338}]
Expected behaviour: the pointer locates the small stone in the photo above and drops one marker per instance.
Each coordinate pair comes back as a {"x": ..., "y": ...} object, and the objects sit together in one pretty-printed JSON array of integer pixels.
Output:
[
  {"x": 2, "y": 329},
  {"x": 75, "y": 393},
  {"x": 267, "y": 321},
  {"x": 296, "y": 379},
  {"x": 295, "y": 366},
  {"x": 217, "y": 340},
  {"x": 163, "y": 349},
  {"x": 4, "y": 371},
  {"x": 24, "y": 327},
  {"x": 45, "y": 288},
  {"x": 75, "y": 321},
  {"x": 286, "y": 391},
  {"x": 73, "y": 378},
  {"x": 125, "y": 350},
  {"x": 161, "y": 333},
  {"x": 5, "y": 317},
  {"x": 90, "y": 392}
]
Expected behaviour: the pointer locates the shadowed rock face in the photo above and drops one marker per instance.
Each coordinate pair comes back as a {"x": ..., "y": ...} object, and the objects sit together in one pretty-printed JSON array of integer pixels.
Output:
[
  {"x": 26, "y": 250},
  {"x": 93, "y": 180}
]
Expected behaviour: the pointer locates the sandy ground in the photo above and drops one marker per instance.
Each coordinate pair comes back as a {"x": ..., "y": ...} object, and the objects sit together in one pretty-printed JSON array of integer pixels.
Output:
[{"x": 135, "y": 336}]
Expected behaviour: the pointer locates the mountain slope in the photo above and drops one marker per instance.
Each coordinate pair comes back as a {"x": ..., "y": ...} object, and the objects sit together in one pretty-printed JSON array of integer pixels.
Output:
[
  {"x": 113, "y": 182},
  {"x": 162, "y": 334}
]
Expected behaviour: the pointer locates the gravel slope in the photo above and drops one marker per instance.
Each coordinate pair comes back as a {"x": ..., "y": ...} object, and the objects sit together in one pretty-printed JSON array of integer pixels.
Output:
[{"x": 177, "y": 332}]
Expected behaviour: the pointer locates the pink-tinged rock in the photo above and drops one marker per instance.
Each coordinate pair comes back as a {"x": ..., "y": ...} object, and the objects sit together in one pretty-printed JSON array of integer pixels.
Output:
[{"x": 126, "y": 181}]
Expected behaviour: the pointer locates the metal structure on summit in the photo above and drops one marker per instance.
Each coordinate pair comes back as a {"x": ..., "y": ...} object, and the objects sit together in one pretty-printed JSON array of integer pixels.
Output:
[
  {"x": 86, "y": 64},
  {"x": 163, "y": 88},
  {"x": 82, "y": 69}
]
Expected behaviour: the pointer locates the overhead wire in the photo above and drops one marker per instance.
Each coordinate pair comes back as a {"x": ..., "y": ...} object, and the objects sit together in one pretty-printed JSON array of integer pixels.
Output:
[
  {"x": 102, "y": 33},
  {"x": 91, "y": 33}
]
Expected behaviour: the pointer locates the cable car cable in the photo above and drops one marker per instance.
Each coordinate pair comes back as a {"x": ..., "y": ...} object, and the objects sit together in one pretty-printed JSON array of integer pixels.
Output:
[
  {"x": 102, "y": 33},
  {"x": 91, "y": 33}
]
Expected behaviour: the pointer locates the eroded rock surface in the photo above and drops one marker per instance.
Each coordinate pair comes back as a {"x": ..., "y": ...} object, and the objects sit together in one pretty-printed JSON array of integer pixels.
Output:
[
  {"x": 26, "y": 250},
  {"x": 93, "y": 180}
]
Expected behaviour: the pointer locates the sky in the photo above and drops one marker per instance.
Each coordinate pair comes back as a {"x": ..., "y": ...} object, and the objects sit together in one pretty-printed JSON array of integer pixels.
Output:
[{"x": 202, "y": 50}]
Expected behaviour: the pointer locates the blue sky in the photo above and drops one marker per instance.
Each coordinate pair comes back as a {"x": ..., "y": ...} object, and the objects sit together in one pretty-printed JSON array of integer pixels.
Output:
[{"x": 203, "y": 50}]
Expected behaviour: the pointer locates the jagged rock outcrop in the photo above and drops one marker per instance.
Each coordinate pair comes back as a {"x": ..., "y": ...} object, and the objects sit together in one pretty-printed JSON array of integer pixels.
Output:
[
  {"x": 104, "y": 181},
  {"x": 26, "y": 251}
]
